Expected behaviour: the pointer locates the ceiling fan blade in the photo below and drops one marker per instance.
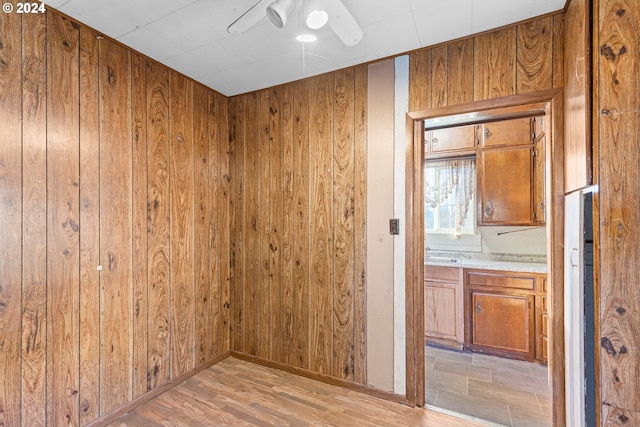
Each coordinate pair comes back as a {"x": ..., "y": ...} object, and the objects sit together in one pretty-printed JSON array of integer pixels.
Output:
[
  {"x": 343, "y": 23},
  {"x": 250, "y": 18}
]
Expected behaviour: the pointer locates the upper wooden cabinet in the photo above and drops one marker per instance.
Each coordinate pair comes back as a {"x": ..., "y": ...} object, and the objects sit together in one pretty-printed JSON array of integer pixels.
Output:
[
  {"x": 451, "y": 141},
  {"x": 507, "y": 133},
  {"x": 511, "y": 177}
]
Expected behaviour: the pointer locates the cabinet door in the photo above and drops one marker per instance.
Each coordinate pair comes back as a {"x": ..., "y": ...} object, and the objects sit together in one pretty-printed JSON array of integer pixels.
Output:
[
  {"x": 507, "y": 133},
  {"x": 441, "y": 311},
  {"x": 505, "y": 186},
  {"x": 501, "y": 323},
  {"x": 453, "y": 140}
]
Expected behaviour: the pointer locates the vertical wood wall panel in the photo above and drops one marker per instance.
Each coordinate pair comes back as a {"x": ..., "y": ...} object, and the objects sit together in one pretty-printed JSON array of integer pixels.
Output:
[
  {"x": 288, "y": 216},
  {"x": 618, "y": 92},
  {"x": 63, "y": 214},
  {"x": 116, "y": 278},
  {"x": 439, "y": 76},
  {"x": 301, "y": 228},
  {"x": 420, "y": 74},
  {"x": 248, "y": 134},
  {"x": 360, "y": 225},
  {"x": 10, "y": 220},
  {"x": 158, "y": 225},
  {"x": 275, "y": 192},
  {"x": 181, "y": 164},
  {"x": 89, "y": 229},
  {"x": 495, "y": 64},
  {"x": 205, "y": 254},
  {"x": 89, "y": 312},
  {"x": 140, "y": 243},
  {"x": 220, "y": 176},
  {"x": 343, "y": 223},
  {"x": 34, "y": 218},
  {"x": 235, "y": 226},
  {"x": 321, "y": 222},
  {"x": 460, "y": 72},
  {"x": 534, "y": 55},
  {"x": 264, "y": 228}
]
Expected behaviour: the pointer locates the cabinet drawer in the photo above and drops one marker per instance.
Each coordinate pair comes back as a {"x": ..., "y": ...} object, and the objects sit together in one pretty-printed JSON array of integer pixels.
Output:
[
  {"x": 500, "y": 280},
  {"x": 441, "y": 274}
]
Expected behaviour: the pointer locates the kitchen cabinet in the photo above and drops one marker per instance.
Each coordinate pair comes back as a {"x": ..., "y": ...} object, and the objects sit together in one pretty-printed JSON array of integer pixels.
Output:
[
  {"x": 444, "y": 320},
  {"x": 501, "y": 315},
  {"x": 448, "y": 142},
  {"x": 511, "y": 172}
]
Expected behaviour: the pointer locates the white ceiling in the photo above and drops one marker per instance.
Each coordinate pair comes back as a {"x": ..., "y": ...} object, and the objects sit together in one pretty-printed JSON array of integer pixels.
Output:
[{"x": 191, "y": 36}]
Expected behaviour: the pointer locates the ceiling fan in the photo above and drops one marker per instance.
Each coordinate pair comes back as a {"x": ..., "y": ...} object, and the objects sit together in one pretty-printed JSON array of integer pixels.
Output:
[{"x": 317, "y": 14}]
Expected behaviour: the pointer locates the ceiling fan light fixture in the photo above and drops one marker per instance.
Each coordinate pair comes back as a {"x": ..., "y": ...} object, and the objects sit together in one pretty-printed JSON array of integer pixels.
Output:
[
  {"x": 306, "y": 38},
  {"x": 277, "y": 12},
  {"x": 317, "y": 19}
]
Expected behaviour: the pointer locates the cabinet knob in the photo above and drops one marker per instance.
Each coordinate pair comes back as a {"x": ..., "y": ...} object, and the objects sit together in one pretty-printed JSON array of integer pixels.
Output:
[
  {"x": 478, "y": 308},
  {"x": 487, "y": 133},
  {"x": 488, "y": 210},
  {"x": 434, "y": 140}
]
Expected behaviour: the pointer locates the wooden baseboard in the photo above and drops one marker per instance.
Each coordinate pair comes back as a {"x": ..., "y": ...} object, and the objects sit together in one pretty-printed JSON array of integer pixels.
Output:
[
  {"x": 361, "y": 388},
  {"x": 106, "y": 419}
]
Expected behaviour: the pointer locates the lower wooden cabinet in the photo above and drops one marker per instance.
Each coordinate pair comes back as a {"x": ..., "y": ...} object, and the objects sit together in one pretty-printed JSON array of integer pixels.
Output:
[
  {"x": 503, "y": 314},
  {"x": 444, "y": 320}
]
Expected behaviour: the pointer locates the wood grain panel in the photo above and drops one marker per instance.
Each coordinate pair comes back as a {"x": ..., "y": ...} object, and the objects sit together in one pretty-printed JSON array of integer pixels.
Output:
[
  {"x": 534, "y": 55},
  {"x": 205, "y": 246},
  {"x": 140, "y": 247},
  {"x": 90, "y": 229},
  {"x": 288, "y": 224},
  {"x": 360, "y": 225},
  {"x": 264, "y": 226},
  {"x": 577, "y": 86},
  {"x": 439, "y": 76},
  {"x": 116, "y": 279},
  {"x": 420, "y": 80},
  {"x": 619, "y": 208},
  {"x": 34, "y": 213},
  {"x": 343, "y": 223},
  {"x": 321, "y": 222},
  {"x": 63, "y": 221},
  {"x": 495, "y": 64},
  {"x": 220, "y": 169},
  {"x": 460, "y": 71},
  {"x": 275, "y": 224},
  {"x": 10, "y": 221},
  {"x": 236, "y": 224},
  {"x": 300, "y": 355},
  {"x": 252, "y": 215},
  {"x": 158, "y": 225},
  {"x": 558, "y": 49},
  {"x": 181, "y": 165}
]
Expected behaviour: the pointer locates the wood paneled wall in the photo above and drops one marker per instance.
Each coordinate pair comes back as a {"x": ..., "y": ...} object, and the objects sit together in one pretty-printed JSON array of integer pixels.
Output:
[
  {"x": 513, "y": 60},
  {"x": 298, "y": 223},
  {"x": 617, "y": 118},
  {"x": 114, "y": 213}
]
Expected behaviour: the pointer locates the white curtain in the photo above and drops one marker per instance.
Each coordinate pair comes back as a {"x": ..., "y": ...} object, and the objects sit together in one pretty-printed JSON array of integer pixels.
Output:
[{"x": 456, "y": 174}]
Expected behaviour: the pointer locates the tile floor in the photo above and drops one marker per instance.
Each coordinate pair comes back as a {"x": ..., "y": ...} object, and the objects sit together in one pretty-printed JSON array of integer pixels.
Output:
[{"x": 500, "y": 391}]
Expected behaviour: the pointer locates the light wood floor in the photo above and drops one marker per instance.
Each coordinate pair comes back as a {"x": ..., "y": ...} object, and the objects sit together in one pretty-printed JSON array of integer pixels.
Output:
[{"x": 238, "y": 393}]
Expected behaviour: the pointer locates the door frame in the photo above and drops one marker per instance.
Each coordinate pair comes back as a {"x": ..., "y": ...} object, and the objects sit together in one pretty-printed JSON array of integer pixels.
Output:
[{"x": 551, "y": 101}]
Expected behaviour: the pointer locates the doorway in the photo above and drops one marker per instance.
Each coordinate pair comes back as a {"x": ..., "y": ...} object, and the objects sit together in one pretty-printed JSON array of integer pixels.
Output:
[{"x": 547, "y": 103}]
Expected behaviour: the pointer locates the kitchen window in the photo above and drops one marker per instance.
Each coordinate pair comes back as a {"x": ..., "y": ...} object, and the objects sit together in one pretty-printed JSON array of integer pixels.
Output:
[{"x": 450, "y": 189}]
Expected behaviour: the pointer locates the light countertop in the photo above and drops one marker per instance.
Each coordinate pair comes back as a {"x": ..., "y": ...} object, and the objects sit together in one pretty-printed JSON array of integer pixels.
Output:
[{"x": 488, "y": 264}]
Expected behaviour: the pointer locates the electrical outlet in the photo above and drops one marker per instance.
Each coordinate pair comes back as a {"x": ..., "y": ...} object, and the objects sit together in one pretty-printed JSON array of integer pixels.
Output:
[{"x": 394, "y": 226}]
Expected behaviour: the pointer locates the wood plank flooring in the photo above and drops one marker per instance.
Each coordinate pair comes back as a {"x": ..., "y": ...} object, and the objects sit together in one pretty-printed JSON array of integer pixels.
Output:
[{"x": 239, "y": 393}]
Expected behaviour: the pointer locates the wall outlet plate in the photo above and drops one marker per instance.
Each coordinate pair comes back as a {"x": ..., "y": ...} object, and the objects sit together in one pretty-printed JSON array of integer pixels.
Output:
[{"x": 394, "y": 226}]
